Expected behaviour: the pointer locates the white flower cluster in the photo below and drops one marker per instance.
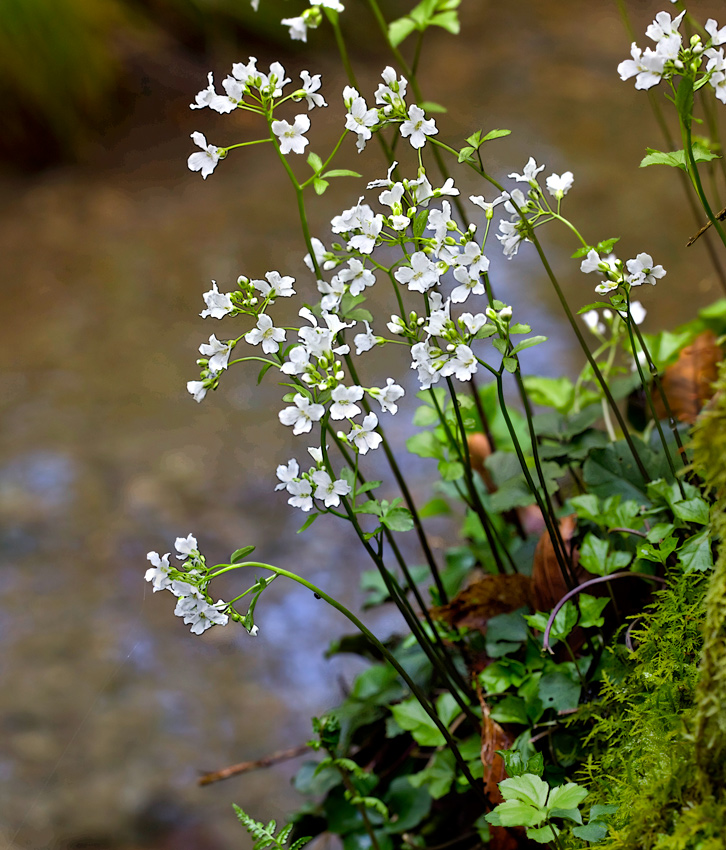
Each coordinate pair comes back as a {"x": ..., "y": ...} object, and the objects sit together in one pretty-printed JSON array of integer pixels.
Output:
[
  {"x": 188, "y": 585},
  {"x": 670, "y": 56},
  {"x": 310, "y": 18},
  {"x": 639, "y": 271},
  {"x": 316, "y": 483},
  {"x": 592, "y": 317},
  {"x": 390, "y": 108}
]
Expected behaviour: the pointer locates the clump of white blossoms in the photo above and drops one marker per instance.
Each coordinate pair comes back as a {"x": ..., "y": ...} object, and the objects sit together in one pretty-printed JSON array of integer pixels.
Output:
[
  {"x": 640, "y": 270},
  {"x": 672, "y": 58}
]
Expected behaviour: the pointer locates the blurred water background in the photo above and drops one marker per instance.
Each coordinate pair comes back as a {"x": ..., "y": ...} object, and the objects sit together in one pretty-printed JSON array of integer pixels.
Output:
[{"x": 109, "y": 708}]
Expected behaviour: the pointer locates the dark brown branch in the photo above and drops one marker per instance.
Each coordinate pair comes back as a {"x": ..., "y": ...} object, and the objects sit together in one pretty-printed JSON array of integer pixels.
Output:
[{"x": 246, "y": 766}]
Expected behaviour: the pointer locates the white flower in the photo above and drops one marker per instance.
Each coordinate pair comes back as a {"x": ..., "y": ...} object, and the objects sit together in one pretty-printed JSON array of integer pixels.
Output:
[
  {"x": 298, "y": 28},
  {"x": 470, "y": 282},
  {"x": 473, "y": 323},
  {"x": 207, "y": 160},
  {"x": 531, "y": 170},
  {"x": 301, "y": 494},
  {"x": 320, "y": 251},
  {"x": 439, "y": 319},
  {"x": 637, "y": 312},
  {"x": 592, "y": 320},
  {"x": 591, "y": 263},
  {"x": 428, "y": 360},
  {"x": 335, "y": 5},
  {"x": 302, "y": 416},
  {"x": 647, "y": 66},
  {"x": 287, "y": 473},
  {"x": 421, "y": 275},
  {"x": 200, "y": 615},
  {"x": 488, "y": 206},
  {"x": 267, "y": 334},
  {"x": 333, "y": 293},
  {"x": 328, "y": 490},
  {"x": 718, "y": 36},
  {"x": 370, "y": 227},
  {"x": 391, "y": 92},
  {"x": 439, "y": 221},
  {"x": 276, "y": 284},
  {"x": 345, "y": 398},
  {"x": 510, "y": 238},
  {"x": 473, "y": 257},
  {"x": 359, "y": 119},
  {"x": 366, "y": 341},
  {"x": 417, "y": 127},
  {"x": 187, "y": 547},
  {"x": 218, "y": 303},
  {"x": 198, "y": 389},
  {"x": 642, "y": 270},
  {"x": 219, "y": 103},
  {"x": 558, "y": 186},
  {"x": 316, "y": 453},
  {"x": 217, "y": 353},
  {"x": 388, "y": 396},
  {"x": 158, "y": 573},
  {"x": 310, "y": 87},
  {"x": 462, "y": 365},
  {"x": 663, "y": 28},
  {"x": 364, "y": 436},
  {"x": 357, "y": 276},
  {"x": 298, "y": 363},
  {"x": 291, "y": 135}
]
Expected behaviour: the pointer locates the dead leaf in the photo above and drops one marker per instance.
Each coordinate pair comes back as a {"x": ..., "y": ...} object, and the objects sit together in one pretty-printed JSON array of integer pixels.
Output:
[
  {"x": 479, "y": 451},
  {"x": 473, "y": 606},
  {"x": 548, "y": 583},
  {"x": 688, "y": 383},
  {"x": 493, "y": 738}
]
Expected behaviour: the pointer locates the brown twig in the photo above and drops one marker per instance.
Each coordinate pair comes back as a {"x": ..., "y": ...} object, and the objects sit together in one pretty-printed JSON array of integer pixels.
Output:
[
  {"x": 246, "y": 766},
  {"x": 720, "y": 216}
]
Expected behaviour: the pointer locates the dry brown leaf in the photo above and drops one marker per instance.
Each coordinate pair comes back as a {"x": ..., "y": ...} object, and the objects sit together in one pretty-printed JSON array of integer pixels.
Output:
[
  {"x": 548, "y": 583},
  {"x": 493, "y": 738},
  {"x": 688, "y": 383},
  {"x": 473, "y": 606},
  {"x": 479, "y": 451}
]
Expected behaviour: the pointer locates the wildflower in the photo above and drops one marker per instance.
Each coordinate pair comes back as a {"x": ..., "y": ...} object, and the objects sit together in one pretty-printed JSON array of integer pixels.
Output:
[
  {"x": 391, "y": 93},
  {"x": 287, "y": 473},
  {"x": 198, "y": 389},
  {"x": 187, "y": 548},
  {"x": 488, "y": 206},
  {"x": 592, "y": 320},
  {"x": 158, "y": 572},
  {"x": 366, "y": 341},
  {"x": 207, "y": 160},
  {"x": 276, "y": 285},
  {"x": 345, "y": 399},
  {"x": 558, "y": 186},
  {"x": 357, "y": 276},
  {"x": 647, "y": 68},
  {"x": 364, "y": 436},
  {"x": 267, "y": 334},
  {"x": 217, "y": 353},
  {"x": 417, "y": 127},
  {"x": 421, "y": 275},
  {"x": 642, "y": 270},
  {"x": 510, "y": 238},
  {"x": 473, "y": 323},
  {"x": 218, "y": 303},
  {"x": 291, "y": 135},
  {"x": 359, "y": 119},
  {"x": 298, "y": 28},
  {"x": 200, "y": 615},
  {"x": 462, "y": 365},
  {"x": 718, "y": 36},
  {"x": 388, "y": 396},
  {"x": 470, "y": 282},
  {"x": 328, "y": 490},
  {"x": 310, "y": 87},
  {"x": 302, "y": 415},
  {"x": 301, "y": 494},
  {"x": 531, "y": 170}
]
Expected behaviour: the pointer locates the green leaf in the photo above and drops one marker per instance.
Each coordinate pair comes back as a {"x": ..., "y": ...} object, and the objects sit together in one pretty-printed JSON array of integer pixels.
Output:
[
  {"x": 594, "y": 831},
  {"x": 695, "y": 554},
  {"x": 495, "y": 134},
  {"x": 528, "y": 343},
  {"x": 510, "y": 710},
  {"x": 438, "y": 776},
  {"x": 407, "y": 805},
  {"x": 528, "y": 788},
  {"x": 557, "y": 690},
  {"x": 497, "y": 677},
  {"x": 569, "y": 814},
  {"x": 597, "y": 557},
  {"x": 410, "y": 715},
  {"x": 431, "y": 106},
  {"x": 240, "y": 554},
  {"x": 563, "y": 624},
  {"x": 591, "y": 607},
  {"x": 398, "y": 519},
  {"x": 515, "y": 813},
  {"x": 510, "y": 364},
  {"x": 400, "y": 30},
  {"x": 567, "y": 797},
  {"x": 465, "y": 154},
  {"x": 516, "y": 765},
  {"x": 613, "y": 470},
  {"x": 308, "y": 522},
  {"x": 675, "y": 159},
  {"x": 448, "y": 21},
  {"x": 451, "y": 470},
  {"x": 543, "y": 834},
  {"x": 692, "y": 510},
  {"x": 341, "y": 172},
  {"x": 425, "y": 444},
  {"x": 551, "y": 392},
  {"x": 505, "y": 632},
  {"x": 320, "y": 185},
  {"x": 425, "y": 416},
  {"x": 435, "y": 507},
  {"x": 419, "y": 226},
  {"x": 314, "y": 162}
]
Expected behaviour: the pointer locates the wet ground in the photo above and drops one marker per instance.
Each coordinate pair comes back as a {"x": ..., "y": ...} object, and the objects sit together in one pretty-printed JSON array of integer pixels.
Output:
[{"x": 109, "y": 708}]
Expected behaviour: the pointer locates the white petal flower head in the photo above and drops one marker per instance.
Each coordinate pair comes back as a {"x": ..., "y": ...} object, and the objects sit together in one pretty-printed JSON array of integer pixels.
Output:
[
  {"x": 344, "y": 401},
  {"x": 364, "y": 436},
  {"x": 559, "y": 185},
  {"x": 302, "y": 415},
  {"x": 310, "y": 87},
  {"x": 217, "y": 353},
  {"x": 335, "y": 5},
  {"x": 298, "y": 363},
  {"x": 440, "y": 220},
  {"x": 529, "y": 175},
  {"x": 291, "y": 135},
  {"x": 187, "y": 547},
  {"x": 718, "y": 36},
  {"x": 388, "y": 396},
  {"x": 328, "y": 490},
  {"x": 320, "y": 251},
  {"x": 637, "y": 312},
  {"x": 206, "y": 160},
  {"x": 366, "y": 341},
  {"x": 592, "y": 319},
  {"x": 370, "y": 227},
  {"x": 470, "y": 284},
  {"x": 421, "y": 275},
  {"x": 473, "y": 257},
  {"x": 298, "y": 28},
  {"x": 158, "y": 572},
  {"x": 642, "y": 270},
  {"x": 488, "y": 206},
  {"x": 360, "y": 119},
  {"x": 418, "y": 127},
  {"x": 275, "y": 285},
  {"x": 267, "y": 334},
  {"x": 463, "y": 364},
  {"x": 301, "y": 494},
  {"x": 198, "y": 389},
  {"x": 203, "y": 616},
  {"x": 357, "y": 276},
  {"x": 219, "y": 304},
  {"x": 287, "y": 473},
  {"x": 510, "y": 238},
  {"x": 647, "y": 68},
  {"x": 473, "y": 323},
  {"x": 663, "y": 27}
]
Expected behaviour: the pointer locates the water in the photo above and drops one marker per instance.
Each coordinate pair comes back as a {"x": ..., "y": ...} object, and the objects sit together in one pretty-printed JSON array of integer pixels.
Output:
[{"x": 110, "y": 708}]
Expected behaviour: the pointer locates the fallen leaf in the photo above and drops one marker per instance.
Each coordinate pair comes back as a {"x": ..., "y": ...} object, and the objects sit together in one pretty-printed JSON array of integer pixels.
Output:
[
  {"x": 473, "y": 606},
  {"x": 548, "y": 583},
  {"x": 688, "y": 383},
  {"x": 479, "y": 451}
]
